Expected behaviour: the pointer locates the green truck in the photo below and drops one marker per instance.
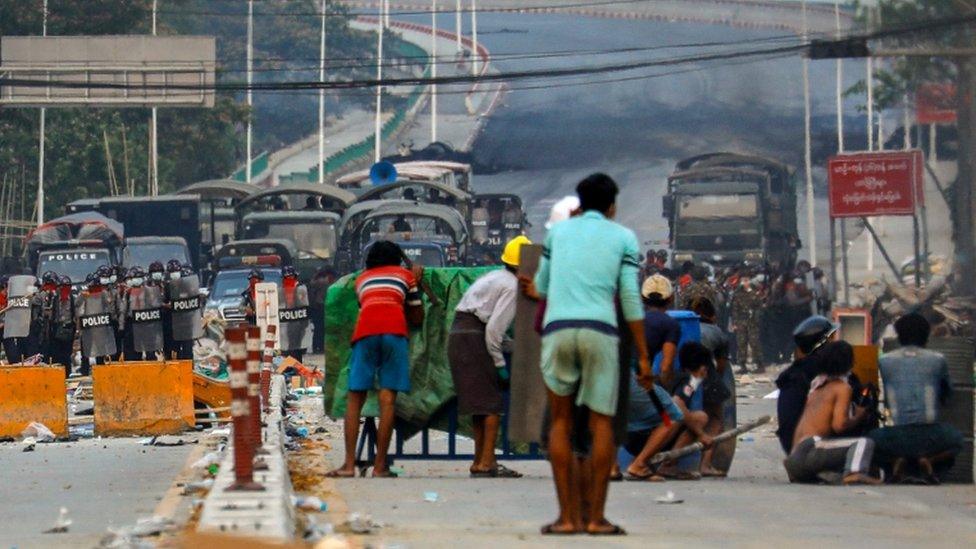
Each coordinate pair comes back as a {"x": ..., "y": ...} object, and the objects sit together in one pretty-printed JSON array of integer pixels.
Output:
[{"x": 725, "y": 209}]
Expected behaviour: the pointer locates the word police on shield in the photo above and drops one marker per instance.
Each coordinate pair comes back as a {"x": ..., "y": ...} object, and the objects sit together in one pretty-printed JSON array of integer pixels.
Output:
[
  {"x": 870, "y": 184},
  {"x": 95, "y": 321}
]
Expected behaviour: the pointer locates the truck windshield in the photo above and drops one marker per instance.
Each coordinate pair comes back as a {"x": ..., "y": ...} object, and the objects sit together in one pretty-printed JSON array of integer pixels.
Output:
[
  {"x": 711, "y": 207},
  {"x": 74, "y": 264},
  {"x": 317, "y": 239},
  {"x": 232, "y": 283},
  {"x": 143, "y": 254}
]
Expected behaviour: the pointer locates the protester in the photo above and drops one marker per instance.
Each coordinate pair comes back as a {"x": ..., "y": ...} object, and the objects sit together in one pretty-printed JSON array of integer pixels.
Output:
[
  {"x": 818, "y": 450},
  {"x": 661, "y": 332},
  {"x": 794, "y": 382},
  {"x": 696, "y": 363},
  {"x": 388, "y": 299},
  {"x": 481, "y": 318},
  {"x": 915, "y": 382},
  {"x": 586, "y": 261},
  {"x": 648, "y": 432},
  {"x": 715, "y": 393}
]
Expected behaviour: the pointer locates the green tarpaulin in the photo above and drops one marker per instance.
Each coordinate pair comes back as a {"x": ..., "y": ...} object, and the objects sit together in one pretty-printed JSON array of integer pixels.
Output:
[{"x": 430, "y": 373}]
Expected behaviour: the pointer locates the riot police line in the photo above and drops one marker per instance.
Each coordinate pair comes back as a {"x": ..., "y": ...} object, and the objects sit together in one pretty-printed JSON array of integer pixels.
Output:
[{"x": 118, "y": 314}]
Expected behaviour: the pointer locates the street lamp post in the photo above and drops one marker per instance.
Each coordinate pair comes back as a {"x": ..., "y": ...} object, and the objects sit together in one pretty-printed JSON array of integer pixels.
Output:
[
  {"x": 433, "y": 71},
  {"x": 250, "y": 61},
  {"x": 322, "y": 96},
  {"x": 40, "y": 150}
]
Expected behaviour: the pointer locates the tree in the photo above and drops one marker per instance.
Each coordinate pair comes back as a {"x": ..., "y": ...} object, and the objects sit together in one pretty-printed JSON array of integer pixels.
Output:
[{"x": 903, "y": 78}]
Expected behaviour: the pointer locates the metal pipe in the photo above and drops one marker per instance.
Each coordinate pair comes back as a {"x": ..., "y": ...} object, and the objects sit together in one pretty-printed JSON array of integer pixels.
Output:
[
  {"x": 807, "y": 154},
  {"x": 250, "y": 67},
  {"x": 322, "y": 97},
  {"x": 433, "y": 70}
]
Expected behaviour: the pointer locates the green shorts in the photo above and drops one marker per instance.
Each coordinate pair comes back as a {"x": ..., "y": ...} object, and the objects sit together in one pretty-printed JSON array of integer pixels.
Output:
[{"x": 584, "y": 361}]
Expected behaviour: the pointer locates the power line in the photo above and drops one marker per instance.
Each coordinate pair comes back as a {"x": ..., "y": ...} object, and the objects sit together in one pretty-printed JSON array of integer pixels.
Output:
[{"x": 509, "y": 76}]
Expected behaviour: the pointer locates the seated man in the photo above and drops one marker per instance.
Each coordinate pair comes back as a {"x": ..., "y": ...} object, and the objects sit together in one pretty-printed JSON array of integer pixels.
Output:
[
  {"x": 915, "y": 382},
  {"x": 818, "y": 451},
  {"x": 647, "y": 431}
]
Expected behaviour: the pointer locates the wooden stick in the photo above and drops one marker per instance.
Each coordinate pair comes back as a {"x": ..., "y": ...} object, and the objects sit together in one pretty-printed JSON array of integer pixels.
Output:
[{"x": 698, "y": 446}]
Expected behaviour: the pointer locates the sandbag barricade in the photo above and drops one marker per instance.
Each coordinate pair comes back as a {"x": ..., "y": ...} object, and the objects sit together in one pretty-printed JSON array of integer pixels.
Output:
[
  {"x": 32, "y": 393},
  {"x": 143, "y": 397}
]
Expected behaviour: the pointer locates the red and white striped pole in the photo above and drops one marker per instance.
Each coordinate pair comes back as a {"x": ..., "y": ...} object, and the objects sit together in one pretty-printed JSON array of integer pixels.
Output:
[
  {"x": 253, "y": 394},
  {"x": 267, "y": 366},
  {"x": 240, "y": 410}
]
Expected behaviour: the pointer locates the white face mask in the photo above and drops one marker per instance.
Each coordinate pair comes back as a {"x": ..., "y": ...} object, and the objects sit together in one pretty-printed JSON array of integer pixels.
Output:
[
  {"x": 694, "y": 382},
  {"x": 113, "y": 279},
  {"x": 135, "y": 282},
  {"x": 156, "y": 276},
  {"x": 175, "y": 275},
  {"x": 105, "y": 281}
]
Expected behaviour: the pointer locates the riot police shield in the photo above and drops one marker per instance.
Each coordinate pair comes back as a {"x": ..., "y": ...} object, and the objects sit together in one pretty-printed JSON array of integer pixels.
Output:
[
  {"x": 17, "y": 319},
  {"x": 186, "y": 308},
  {"x": 292, "y": 317},
  {"x": 145, "y": 317},
  {"x": 95, "y": 311}
]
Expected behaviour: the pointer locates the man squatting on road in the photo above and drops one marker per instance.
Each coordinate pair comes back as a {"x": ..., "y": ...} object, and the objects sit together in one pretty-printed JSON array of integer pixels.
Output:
[{"x": 586, "y": 262}]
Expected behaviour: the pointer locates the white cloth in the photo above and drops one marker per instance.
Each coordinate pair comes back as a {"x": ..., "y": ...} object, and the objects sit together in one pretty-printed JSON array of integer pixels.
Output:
[{"x": 492, "y": 299}]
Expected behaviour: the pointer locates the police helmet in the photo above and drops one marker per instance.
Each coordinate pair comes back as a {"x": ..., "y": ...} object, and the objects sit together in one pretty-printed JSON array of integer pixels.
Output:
[
  {"x": 255, "y": 274},
  {"x": 64, "y": 281},
  {"x": 156, "y": 267},
  {"x": 49, "y": 277},
  {"x": 813, "y": 332},
  {"x": 136, "y": 272},
  {"x": 289, "y": 270},
  {"x": 104, "y": 271},
  {"x": 92, "y": 279},
  {"x": 173, "y": 266}
]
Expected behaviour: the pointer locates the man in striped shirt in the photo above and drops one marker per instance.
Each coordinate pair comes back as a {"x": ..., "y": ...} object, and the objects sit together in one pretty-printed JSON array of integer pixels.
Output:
[{"x": 388, "y": 299}]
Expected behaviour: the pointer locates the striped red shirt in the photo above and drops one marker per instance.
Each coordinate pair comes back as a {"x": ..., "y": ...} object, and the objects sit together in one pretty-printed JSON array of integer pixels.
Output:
[{"x": 382, "y": 294}]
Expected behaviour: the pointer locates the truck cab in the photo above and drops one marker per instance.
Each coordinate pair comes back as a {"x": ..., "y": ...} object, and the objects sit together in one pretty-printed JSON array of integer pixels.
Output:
[{"x": 725, "y": 209}]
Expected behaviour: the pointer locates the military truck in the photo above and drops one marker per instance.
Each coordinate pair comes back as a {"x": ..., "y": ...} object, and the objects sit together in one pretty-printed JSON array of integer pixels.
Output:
[
  {"x": 726, "y": 208},
  {"x": 75, "y": 245}
]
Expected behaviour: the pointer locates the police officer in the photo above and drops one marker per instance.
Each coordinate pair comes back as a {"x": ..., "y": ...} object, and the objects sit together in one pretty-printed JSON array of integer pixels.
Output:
[
  {"x": 292, "y": 313},
  {"x": 42, "y": 315},
  {"x": 118, "y": 288},
  {"x": 17, "y": 318},
  {"x": 249, "y": 296},
  {"x": 96, "y": 319},
  {"x": 63, "y": 325},
  {"x": 185, "y": 306},
  {"x": 144, "y": 315},
  {"x": 747, "y": 304}
]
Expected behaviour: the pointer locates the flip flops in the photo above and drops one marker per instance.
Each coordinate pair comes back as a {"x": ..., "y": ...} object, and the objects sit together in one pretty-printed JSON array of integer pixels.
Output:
[{"x": 499, "y": 471}]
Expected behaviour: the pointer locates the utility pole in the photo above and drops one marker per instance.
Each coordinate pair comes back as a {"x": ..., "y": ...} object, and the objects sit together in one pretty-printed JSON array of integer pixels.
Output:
[
  {"x": 250, "y": 62},
  {"x": 154, "y": 142},
  {"x": 457, "y": 24},
  {"x": 474, "y": 39},
  {"x": 808, "y": 162},
  {"x": 322, "y": 97},
  {"x": 871, "y": 143},
  {"x": 40, "y": 150},
  {"x": 433, "y": 70},
  {"x": 378, "y": 140}
]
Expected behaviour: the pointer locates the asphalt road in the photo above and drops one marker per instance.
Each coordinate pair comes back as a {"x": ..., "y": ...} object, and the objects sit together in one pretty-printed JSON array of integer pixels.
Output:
[
  {"x": 103, "y": 483},
  {"x": 754, "y": 507}
]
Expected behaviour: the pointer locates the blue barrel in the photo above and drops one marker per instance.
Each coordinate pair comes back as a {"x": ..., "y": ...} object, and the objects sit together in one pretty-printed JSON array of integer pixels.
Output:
[{"x": 690, "y": 331}]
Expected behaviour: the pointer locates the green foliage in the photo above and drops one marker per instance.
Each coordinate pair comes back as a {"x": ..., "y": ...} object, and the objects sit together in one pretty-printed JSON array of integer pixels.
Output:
[{"x": 900, "y": 76}]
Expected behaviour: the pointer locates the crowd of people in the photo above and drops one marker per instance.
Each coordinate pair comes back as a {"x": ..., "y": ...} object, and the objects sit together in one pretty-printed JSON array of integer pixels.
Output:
[
  {"x": 126, "y": 314},
  {"x": 612, "y": 355}
]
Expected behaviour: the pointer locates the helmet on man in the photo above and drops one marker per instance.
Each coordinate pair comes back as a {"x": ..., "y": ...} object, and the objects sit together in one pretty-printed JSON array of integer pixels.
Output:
[
  {"x": 813, "y": 332},
  {"x": 512, "y": 251}
]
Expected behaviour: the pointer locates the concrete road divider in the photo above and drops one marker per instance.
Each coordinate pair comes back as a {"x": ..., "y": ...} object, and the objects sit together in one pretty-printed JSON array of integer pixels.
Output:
[
  {"x": 143, "y": 398},
  {"x": 32, "y": 393}
]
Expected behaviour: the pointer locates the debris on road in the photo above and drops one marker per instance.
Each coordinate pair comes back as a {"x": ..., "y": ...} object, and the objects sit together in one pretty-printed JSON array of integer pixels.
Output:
[
  {"x": 210, "y": 458},
  {"x": 61, "y": 524},
  {"x": 163, "y": 441},
  {"x": 360, "y": 524},
  {"x": 201, "y": 486},
  {"x": 309, "y": 503},
  {"x": 29, "y": 443},
  {"x": 431, "y": 497},
  {"x": 772, "y": 396},
  {"x": 38, "y": 431},
  {"x": 669, "y": 499}
]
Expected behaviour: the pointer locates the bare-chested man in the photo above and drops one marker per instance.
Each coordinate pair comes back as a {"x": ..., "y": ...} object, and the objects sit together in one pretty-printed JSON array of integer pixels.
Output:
[{"x": 827, "y": 415}]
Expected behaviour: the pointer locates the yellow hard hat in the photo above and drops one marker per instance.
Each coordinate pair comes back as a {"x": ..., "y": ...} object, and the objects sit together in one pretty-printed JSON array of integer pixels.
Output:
[{"x": 511, "y": 254}]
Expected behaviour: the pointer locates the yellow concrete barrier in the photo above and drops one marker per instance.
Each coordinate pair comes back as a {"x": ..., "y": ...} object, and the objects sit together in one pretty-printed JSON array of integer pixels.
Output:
[
  {"x": 32, "y": 393},
  {"x": 143, "y": 398}
]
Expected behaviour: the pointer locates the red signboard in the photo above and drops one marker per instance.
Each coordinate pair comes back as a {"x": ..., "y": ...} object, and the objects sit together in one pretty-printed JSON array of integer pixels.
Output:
[
  {"x": 935, "y": 104},
  {"x": 869, "y": 184}
]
